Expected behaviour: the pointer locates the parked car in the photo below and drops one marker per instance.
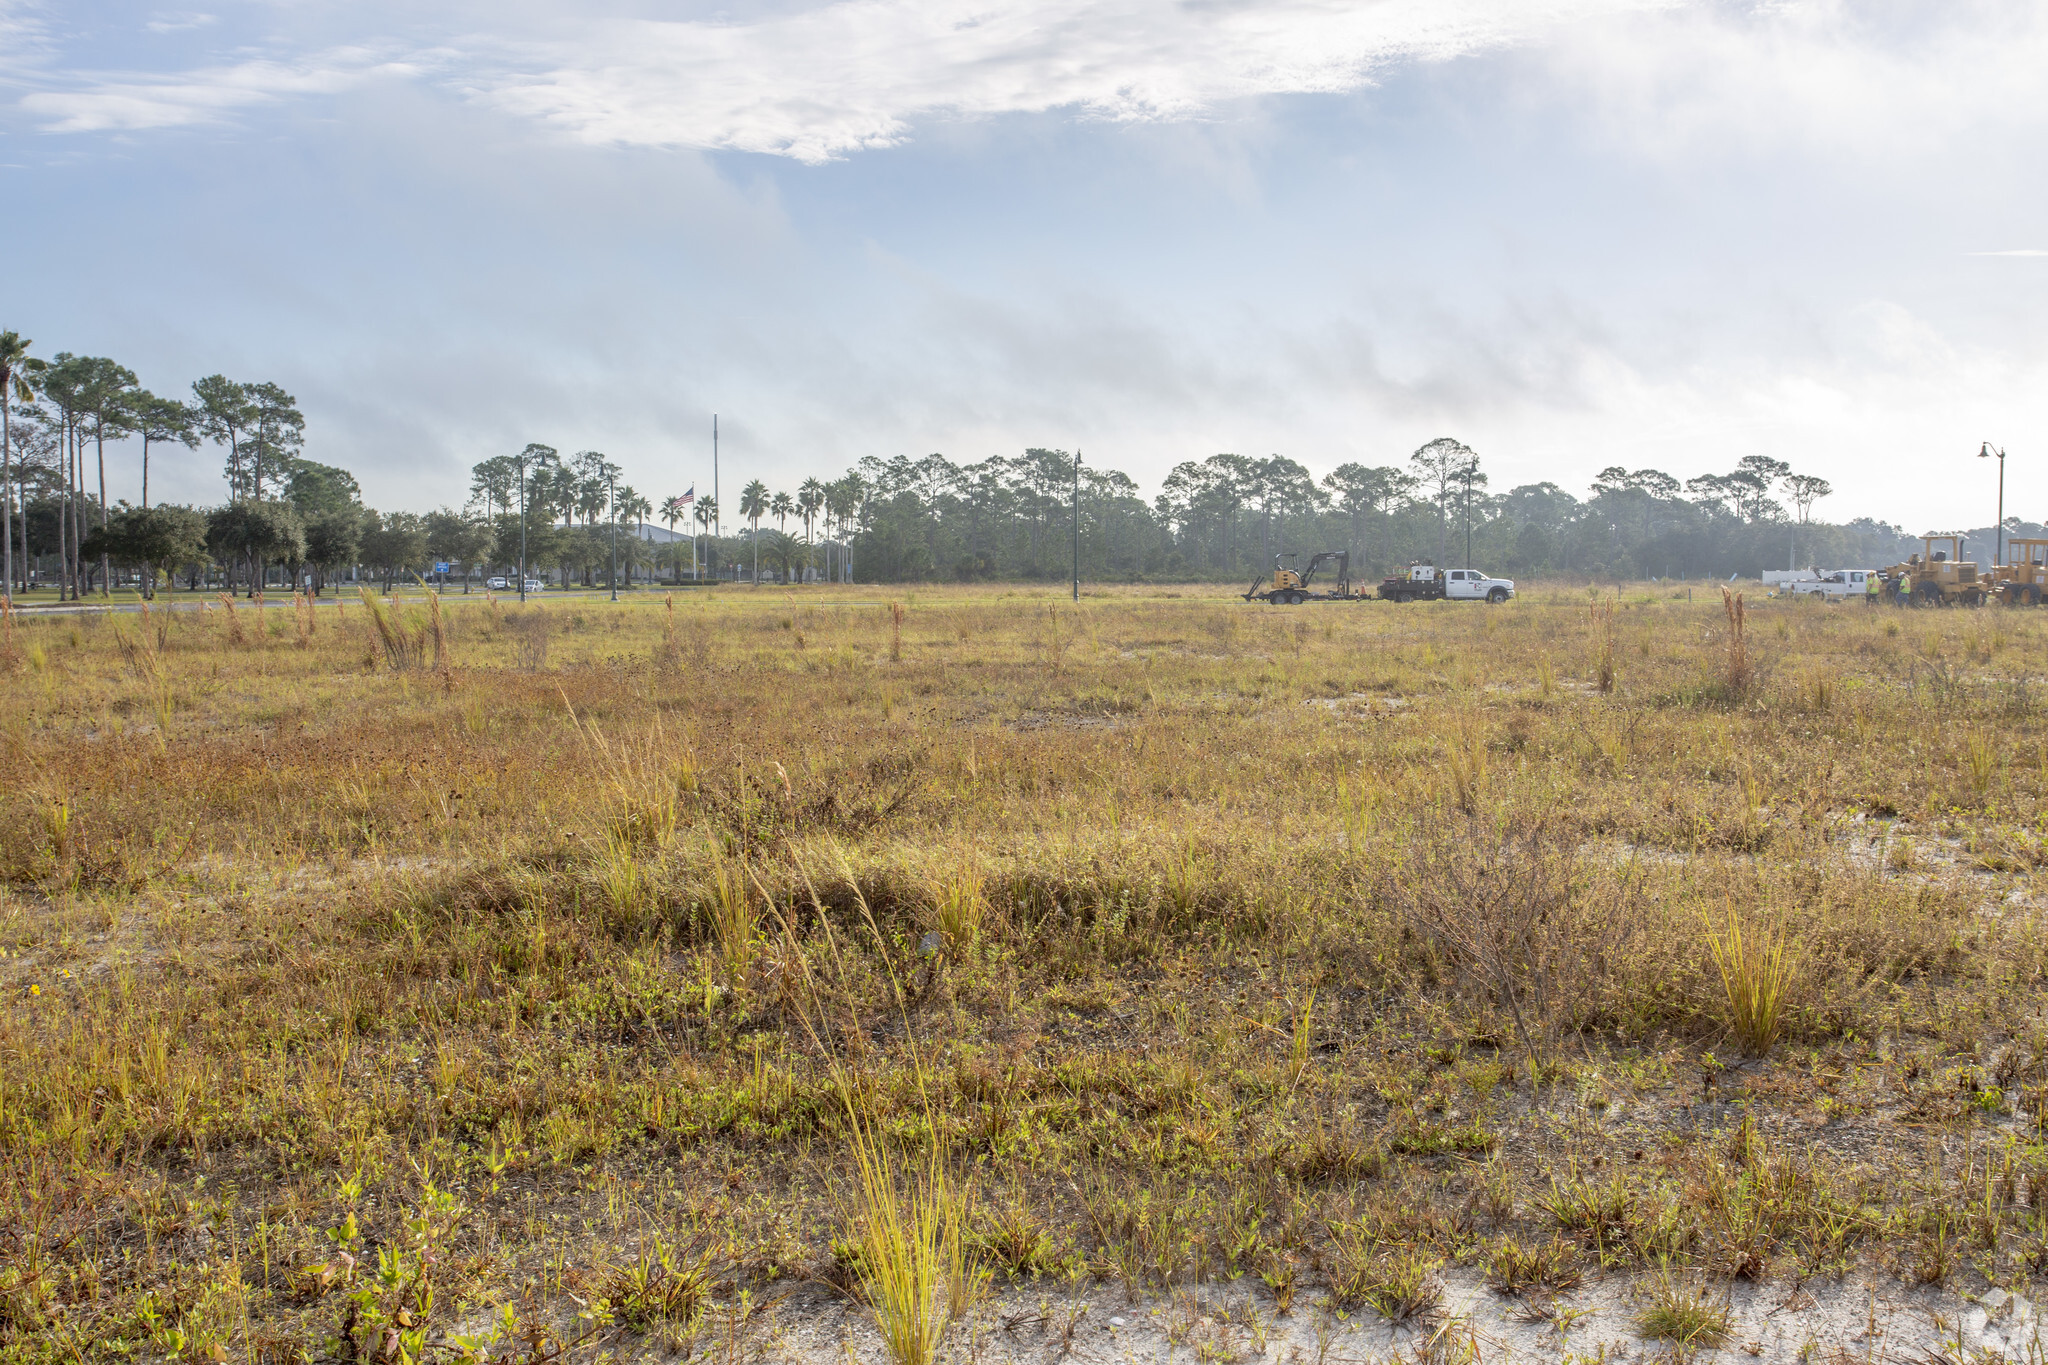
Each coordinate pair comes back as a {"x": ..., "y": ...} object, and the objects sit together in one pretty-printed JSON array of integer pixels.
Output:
[
  {"x": 499, "y": 584},
  {"x": 534, "y": 585}
]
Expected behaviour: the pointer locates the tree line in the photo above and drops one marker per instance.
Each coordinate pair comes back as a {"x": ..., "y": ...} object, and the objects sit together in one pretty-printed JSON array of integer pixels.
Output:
[
  {"x": 885, "y": 520},
  {"x": 285, "y": 515},
  {"x": 1228, "y": 516}
]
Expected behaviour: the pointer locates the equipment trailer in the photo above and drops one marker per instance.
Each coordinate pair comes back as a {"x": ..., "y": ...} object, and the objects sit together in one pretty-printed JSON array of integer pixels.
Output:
[{"x": 1291, "y": 589}]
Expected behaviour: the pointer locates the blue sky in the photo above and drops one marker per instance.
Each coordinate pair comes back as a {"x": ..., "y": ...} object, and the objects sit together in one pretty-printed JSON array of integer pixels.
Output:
[{"x": 1572, "y": 233}]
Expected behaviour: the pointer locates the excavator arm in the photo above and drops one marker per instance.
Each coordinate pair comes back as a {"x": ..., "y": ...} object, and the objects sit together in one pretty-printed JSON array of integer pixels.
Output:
[{"x": 1343, "y": 561}]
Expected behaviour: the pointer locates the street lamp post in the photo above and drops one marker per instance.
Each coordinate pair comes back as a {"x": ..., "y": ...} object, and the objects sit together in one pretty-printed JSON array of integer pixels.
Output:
[
  {"x": 522, "y": 528},
  {"x": 611, "y": 494},
  {"x": 1986, "y": 452},
  {"x": 1077, "y": 526}
]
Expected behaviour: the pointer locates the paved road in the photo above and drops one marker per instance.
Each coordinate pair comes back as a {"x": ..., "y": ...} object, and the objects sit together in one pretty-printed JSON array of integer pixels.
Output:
[{"x": 195, "y": 601}]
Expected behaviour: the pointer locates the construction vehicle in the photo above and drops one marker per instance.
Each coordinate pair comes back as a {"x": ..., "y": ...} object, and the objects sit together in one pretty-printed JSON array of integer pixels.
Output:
[
  {"x": 2022, "y": 581},
  {"x": 1291, "y": 589},
  {"x": 1936, "y": 578},
  {"x": 1424, "y": 582}
]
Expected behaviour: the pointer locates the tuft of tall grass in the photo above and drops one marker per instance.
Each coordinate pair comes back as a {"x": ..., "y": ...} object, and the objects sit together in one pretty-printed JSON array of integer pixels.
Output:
[
  {"x": 444, "y": 660},
  {"x": 958, "y": 902},
  {"x": 735, "y": 915},
  {"x": 1980, "y": 758},
  {"x": 1358, "y": 802},
  {"x": 1298, "y": 1045},
  {"x": 646, "y": 783},
  {"x": 670, "y": 655},
  {"x": 1466, "y": 762},
  {"x": 917, "y": 1274},
  {"x": 404, "y": 650},
  {"x": 1683, "y": 1315},
  {"x": 1513, "y": 1266},
  {"x": 621, "y": 877},
  {"x": 1186, "y": 879},
  {"x": 1755, "y": 973},
  {"x": 1738, "y": 672},
  {"x": 1398, "y": 1282},
  {"x": 661, "y": 1287},
  {"x": 1601, "y": 615},
  {"x": 235, "y": 633}
]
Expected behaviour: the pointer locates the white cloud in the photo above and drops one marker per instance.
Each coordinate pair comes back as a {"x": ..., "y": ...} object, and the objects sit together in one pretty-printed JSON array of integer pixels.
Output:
[
  {"x": 857, "y": 74},
  {"x": 178, "y": 21},
  {"x": 1881, "y": 83},
  {"x": 206, "y": 95},
  {"x": 827, "y": 79},
  {"x": 824, "y": 81}
]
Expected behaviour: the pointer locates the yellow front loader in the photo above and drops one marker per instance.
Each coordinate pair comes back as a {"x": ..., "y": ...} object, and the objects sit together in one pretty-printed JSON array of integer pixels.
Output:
[
  {"x": 1938, "y": 577},
  {"x": 2022, "y": 581}
]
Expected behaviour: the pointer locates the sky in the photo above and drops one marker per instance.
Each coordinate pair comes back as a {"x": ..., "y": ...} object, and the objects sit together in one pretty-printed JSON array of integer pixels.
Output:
[{"x": 1571, "y": 233}]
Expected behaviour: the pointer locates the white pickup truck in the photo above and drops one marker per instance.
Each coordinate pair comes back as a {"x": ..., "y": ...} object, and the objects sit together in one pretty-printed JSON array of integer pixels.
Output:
[
  {"x": 1422, "y": 582},
  {"x": 1834, "y": 585}
]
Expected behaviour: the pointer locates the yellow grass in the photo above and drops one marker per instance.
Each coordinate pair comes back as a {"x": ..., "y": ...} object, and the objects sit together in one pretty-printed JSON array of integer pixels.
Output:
[
  {"x": 1754, "y": 973},
  {"x": 1326, "y": 943}
]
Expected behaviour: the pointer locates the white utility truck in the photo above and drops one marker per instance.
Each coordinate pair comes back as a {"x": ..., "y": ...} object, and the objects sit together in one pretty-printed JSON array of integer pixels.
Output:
[
  {"x": 1834, "y": 585},
  {"x": 1426, "y": 582}
]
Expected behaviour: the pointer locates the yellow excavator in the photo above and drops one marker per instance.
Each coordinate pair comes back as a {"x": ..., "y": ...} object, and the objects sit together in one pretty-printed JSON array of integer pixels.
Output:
[
  {"x": 1937, "y": 577},
  {"x": 1291, "y": 589}
]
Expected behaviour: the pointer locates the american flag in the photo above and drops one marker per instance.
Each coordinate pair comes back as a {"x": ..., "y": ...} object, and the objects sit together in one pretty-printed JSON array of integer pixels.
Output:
[{"x": 689, "y": 496}]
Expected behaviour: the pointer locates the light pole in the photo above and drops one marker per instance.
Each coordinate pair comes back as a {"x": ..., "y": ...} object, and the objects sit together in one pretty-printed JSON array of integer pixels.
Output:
[
  {"x": 522, "y": 528},
  {"x": 1077, "y": 525},
  {"x": 1986, "y": 452},
  {"x": 611, "y": 495},
  {"x": 1465, "y": 475}
]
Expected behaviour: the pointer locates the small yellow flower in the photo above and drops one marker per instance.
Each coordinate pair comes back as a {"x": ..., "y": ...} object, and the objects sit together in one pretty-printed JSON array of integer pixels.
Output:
[{"x": 35, "y": 990}]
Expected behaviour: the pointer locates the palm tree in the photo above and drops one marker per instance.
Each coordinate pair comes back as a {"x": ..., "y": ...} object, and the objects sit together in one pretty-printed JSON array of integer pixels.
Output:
[
  {"x": 783, "y": 550},
  {"x": 636, "y": 506},
  {"x": 16, "y": 365},
  {"x": 707, "y": 518},
  {"x": 754, "y": 502},
  {"x": 810, "y": 499},
  {"x": 673, "y": 510},
  {"x": 591, "y": 492},
  {"x": 842, "y": 501},
  {"x": 782, "y": 507}
]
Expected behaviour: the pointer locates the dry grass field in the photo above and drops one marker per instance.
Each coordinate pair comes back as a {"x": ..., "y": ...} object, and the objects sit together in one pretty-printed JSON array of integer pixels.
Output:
[{"x": 551, "y": 981}]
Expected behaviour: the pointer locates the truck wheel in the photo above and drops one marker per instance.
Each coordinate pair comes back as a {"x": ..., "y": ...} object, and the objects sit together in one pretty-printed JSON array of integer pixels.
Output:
[
  {"x": 1496, "y": 596},
  {"x": 1928, "y": 594}
]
